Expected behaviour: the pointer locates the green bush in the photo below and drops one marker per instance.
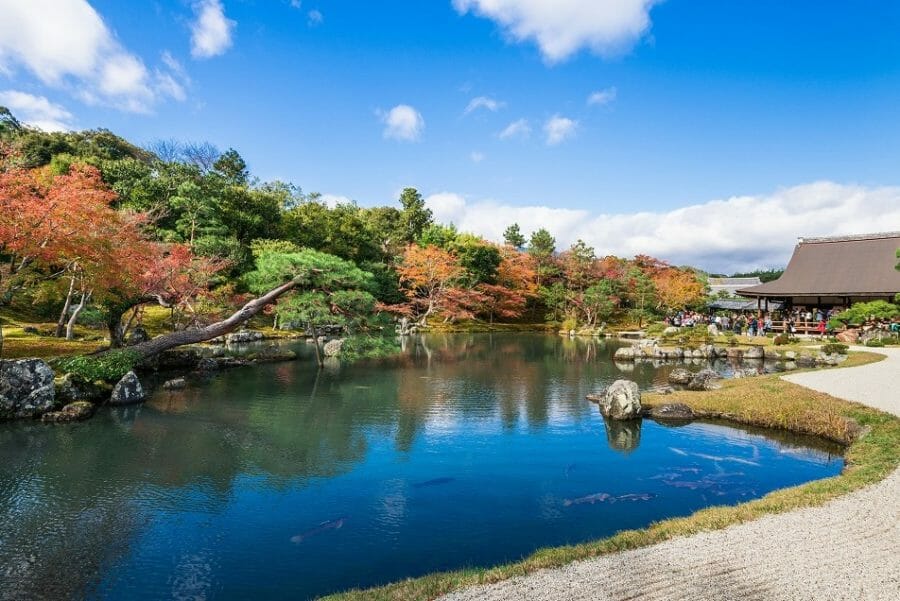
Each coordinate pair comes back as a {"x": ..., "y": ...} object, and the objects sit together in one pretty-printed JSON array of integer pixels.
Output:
[
  {"x": 109, "y": 366},
  {"x": 875, "y": 342},
  {"x": 655, "y": 329},
  {"x": 835, "y": 349},
  {"x": 369, "y": 347},
  {"x": 569, "y": 324}
]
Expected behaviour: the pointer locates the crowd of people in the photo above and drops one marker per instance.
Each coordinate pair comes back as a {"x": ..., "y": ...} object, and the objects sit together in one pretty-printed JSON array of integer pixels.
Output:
[{"x": 796, "y": 320}]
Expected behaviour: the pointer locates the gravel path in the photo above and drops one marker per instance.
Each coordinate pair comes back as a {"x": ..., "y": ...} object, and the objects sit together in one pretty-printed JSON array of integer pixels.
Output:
[{"x": 846, "y": 549}]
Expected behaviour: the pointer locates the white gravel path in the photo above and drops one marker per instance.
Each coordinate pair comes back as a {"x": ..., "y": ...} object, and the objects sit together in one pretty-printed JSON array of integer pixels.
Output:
[{"x": 848, "y": 549}]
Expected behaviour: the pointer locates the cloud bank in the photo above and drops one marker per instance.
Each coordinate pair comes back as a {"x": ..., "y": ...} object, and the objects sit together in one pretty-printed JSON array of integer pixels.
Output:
[
  {"x": 722, "y": 236},
  {"x": 65, "y": 44},
  {"x": 562, "y": 27},
  {"x": 36, "y": 111}
]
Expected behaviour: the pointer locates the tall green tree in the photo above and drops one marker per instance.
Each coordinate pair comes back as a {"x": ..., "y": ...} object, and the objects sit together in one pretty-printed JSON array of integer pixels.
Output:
[
  {"x": 414, "y": 215},
  {"x": 513, "y": 236}
]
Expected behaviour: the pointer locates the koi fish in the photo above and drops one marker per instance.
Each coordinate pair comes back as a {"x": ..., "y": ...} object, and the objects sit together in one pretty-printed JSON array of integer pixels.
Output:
[{"x": 323, "y": 527}]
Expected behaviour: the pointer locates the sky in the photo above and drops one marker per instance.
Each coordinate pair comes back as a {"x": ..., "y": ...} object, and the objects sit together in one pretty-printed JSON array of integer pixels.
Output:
[{"x": 702, "y": 132}]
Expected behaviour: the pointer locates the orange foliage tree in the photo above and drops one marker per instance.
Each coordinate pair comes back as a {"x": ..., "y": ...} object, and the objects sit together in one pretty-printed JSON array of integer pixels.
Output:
[
  {"x": 677, "y": 288},
  {"x": 428, "y": 277}
]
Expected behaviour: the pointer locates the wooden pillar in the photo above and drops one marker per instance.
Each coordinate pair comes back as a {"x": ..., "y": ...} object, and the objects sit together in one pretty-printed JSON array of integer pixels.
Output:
[{"x": 758, "y": 306}]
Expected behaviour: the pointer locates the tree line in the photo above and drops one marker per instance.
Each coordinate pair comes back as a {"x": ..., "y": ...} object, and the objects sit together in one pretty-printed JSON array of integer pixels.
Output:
[{"x": 91, "y": 224}]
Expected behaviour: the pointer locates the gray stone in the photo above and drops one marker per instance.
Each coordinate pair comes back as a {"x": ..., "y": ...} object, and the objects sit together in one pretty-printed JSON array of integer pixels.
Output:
[
  {"x": 625, "y": 353},
  {"x": 734, "y": 353},
  {"x": 128, "y": 391},
  {"x": 73, "y": 412},
  {"x": 712, "y": 330},
  {"x": 790, "y": 355},
  {"x": 26, "y": 388},
  {"x": 673, "y": 411},
  {"x": 806, "y": 361},
  {"x": 670, "y": 331},
  {"x": 704, "y": 380},
  {"x": 754, "y": 352},
  {"x": 622, "y": 400},
  {"x": 680, "y": 376},
  {"x": 244, "y": 336},
  {"x": 207, "y": 364},
  {"x": 333, "y": 348},
  {"x": 697, "y": 354},
  {"x": 138, "y": 335},
  {"x": 771, "y": 354}
]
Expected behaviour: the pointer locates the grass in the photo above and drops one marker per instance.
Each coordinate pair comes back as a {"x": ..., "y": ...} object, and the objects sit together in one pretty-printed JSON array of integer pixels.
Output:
[{"x": 873, "y": 452}]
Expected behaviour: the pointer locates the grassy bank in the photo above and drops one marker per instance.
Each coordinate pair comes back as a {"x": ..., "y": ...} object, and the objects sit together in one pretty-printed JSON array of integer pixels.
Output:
[{"x": 872, "y": 436}]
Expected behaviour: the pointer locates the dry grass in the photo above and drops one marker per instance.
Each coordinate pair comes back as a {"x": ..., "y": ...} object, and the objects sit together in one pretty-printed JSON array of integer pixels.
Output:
[{"x": 873, "y": 453}]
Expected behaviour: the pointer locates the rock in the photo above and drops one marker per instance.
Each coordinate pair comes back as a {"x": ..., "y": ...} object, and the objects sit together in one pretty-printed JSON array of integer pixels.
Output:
[
  {"x": 243, "y": 337},
  {"x": 697, "y": 354},
  {"x": 670, "y": 331},
  {"x": 734, "y": 353},
  {"x": 712, "y": 330},
  {"x": 770, "y": 354},
  {"x": 680, "y": 376},
  {"x": 674, "y": 353},
  {"x": 26, "y": 388},
  {"x": 128, "y": 391},
  {"x": 624, "y": 354},
  {"x": 780, "y": 366},
  {"x": 31, "y": 330},
  {"x": 719, "y": 351},
  {"x": 73, "y": 412},
  {"x": 179, "y": 358},
  {"x": 848, "y": 336},
  {"x": 175, "y": 384},
  {"x": 622, "y": 400},
  {"x": 806, "y": 361},
  {"x": 673, "y": 411},
  {"x": 790, "y": 365},
  {"x": 333, "y": 348},
  {"x": 754, "y": 352},
  {"x": 138, "y": 335},
  {"x": 207, "y": 364},
  {"x": 704, "y": 380},
  {"x": 71, "y": 388},
  {"x": 790, "y": 355}
]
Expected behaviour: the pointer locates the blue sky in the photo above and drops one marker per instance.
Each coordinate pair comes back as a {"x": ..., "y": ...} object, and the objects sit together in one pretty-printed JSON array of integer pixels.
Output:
[{"x": 706, "y": 114}]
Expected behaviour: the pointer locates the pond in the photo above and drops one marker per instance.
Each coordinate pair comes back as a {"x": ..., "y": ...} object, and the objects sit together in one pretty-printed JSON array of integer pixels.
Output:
[{"x": 280, "y": 481}]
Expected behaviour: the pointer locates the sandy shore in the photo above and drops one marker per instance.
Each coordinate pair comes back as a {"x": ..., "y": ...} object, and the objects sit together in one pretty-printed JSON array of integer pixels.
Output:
[{"x": 846, "y": 549}]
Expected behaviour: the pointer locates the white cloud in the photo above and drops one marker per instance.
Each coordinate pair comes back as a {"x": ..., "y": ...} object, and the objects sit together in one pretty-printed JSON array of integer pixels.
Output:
[
  {"x": 403, "y": 123},
  {"x": 601, "y": 97},
  {"x": 562, "y": 27},
  {"x": 211, "y": 32},
  {"x": 728, "y": 235},
  {"x": 314, "y": 18},
  {"x": 517, "y": 129},
  {"x": 476, "y": 156},
  {"x": 36, "y": 111},
  {"x": 559, "y": 129},
  {"x": 483, "y": 102},
  {"x": 65, "y": 44},
  {"x": 296, "y": 3}
]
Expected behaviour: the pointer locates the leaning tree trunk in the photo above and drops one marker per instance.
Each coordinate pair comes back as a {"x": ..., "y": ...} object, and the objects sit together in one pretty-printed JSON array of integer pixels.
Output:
[
  {"x": 220, "y": 328},
  {"x": 61, "y": 324},
  {"x": 70, "y": 327}
]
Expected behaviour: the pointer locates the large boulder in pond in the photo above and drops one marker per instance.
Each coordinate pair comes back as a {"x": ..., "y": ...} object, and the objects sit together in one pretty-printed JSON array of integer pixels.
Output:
[
  {"x": 680, "y": 376},
  {"x": 754, "y": 352},
  {"x": 26, "y": 388},
  {"x": 622, "y": 400},
  {"x": 128, "y": 391},
  {"x": 333, "y": 348}
]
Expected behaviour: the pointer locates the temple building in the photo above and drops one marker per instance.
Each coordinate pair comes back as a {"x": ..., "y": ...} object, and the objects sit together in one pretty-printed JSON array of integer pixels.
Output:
[{"x": 835, "y": 272}]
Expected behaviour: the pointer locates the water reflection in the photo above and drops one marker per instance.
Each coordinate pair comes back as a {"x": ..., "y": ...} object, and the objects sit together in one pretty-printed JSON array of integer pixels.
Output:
[
  {"x": 623, "y": 436},
  {"x": 202, "y": 489}
]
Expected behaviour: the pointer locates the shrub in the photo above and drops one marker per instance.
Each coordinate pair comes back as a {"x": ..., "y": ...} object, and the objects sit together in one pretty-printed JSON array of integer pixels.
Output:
[
  {"x": 109, "y": 366},
  {"x": 782, "y": 339},
  {"x": 369, "y": 347},
  {"x": 655, "y": 329},
  {"x": 835, "y": 349},
  {"x": 569, "y": 324},
  {"x": 875, "y": 342}
]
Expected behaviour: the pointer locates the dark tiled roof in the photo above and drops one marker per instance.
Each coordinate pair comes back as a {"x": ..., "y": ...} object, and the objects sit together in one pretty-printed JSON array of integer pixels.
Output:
[{"x": 838, "y": 266}]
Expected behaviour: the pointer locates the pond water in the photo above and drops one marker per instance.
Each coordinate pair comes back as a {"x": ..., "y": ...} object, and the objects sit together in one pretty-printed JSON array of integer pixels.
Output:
[{"x": 280, "y": 481}]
